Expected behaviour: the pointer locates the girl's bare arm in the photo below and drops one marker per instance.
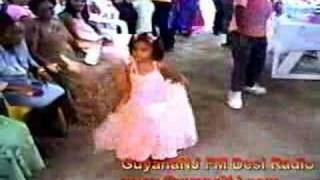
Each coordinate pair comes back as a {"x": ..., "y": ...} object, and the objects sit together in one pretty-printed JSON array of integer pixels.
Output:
[
  {"x": 122, "y": 79},
  {"x": 168, "y": 72}
]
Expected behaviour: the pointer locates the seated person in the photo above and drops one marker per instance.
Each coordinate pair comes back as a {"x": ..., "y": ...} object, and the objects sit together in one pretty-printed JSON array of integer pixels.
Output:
[
  {"x": 76, "y": 18},
  {"x": 16, "y": 65},
  {"x": 19, "y": 150},
  {"x": 48, "y": 38}
]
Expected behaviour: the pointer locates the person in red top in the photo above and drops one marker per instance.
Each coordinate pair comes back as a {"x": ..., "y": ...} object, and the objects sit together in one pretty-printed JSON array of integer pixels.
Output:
[{"x": 249, "y": 44}]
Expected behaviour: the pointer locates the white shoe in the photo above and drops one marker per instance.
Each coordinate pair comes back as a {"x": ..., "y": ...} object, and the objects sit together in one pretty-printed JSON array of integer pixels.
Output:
[
  {"x": 256, "y": 89},
  {"x": 235, "y": 100}
]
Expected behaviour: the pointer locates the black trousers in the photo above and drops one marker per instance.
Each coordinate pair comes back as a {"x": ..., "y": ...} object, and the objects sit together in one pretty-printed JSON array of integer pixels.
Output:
[
  {"x": 218, "y": 24},
  {"x": 228, "y": 9},
  {"x": 161, "y": 20},
  {"x": 249, "y": 56}
]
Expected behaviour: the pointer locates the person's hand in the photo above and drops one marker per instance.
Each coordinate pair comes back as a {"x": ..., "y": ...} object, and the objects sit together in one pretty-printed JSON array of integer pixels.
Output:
[
  {"x": 185, "y": 81},
  {"x": 3, "y": 86},
  {"x": 71, "y": 65},
  {"x": 124, "y": 100},
  {"x": 43, "y": 75},
  {"x": 55, "y": 68},
  {"x": 24, "y": 90}
]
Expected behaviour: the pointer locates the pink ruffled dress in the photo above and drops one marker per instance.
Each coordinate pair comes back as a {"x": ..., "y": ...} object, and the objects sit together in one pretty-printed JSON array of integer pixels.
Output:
[{"x": 156, "y": 122}]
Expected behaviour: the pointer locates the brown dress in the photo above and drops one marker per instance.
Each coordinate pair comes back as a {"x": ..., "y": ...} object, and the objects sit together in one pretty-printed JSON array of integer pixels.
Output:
[{"x": 93, "y": 89}]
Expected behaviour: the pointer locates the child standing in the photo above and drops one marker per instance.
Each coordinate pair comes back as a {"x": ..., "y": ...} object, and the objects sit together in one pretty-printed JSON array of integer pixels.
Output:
[
  {"x": 154, "y": 119},
  {"x": 249, "y": 48}
]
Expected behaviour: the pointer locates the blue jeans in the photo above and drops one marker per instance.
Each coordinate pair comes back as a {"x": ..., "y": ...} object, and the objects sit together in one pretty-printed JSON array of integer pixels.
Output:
[{"x": 51, "y": 92}]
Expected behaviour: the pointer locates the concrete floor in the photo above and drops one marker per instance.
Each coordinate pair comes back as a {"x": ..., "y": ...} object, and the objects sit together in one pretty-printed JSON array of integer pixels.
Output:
[{"x": 283, "y": 123}]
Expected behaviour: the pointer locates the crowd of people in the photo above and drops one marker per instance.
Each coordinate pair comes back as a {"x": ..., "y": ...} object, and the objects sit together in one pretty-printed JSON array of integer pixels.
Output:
[
  {"x": 41, "y": 48},
  {"x": 40, "y": 41}
]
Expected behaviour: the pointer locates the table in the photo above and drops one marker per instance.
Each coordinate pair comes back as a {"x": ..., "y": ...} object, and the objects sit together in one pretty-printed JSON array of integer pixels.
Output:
[{"x": 290, "y": 40}]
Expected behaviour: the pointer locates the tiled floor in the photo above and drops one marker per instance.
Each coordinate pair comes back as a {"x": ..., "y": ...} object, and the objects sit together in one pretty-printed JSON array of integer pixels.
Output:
[{"x": 283, "y": 123}]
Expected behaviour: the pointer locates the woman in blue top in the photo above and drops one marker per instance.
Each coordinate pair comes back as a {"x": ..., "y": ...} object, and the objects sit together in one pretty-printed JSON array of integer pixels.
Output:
[{"x": 16, "y": 64}]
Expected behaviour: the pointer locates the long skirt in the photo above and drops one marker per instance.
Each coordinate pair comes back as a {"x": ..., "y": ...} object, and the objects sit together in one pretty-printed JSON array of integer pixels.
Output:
[{"x": 184, "y": 14}]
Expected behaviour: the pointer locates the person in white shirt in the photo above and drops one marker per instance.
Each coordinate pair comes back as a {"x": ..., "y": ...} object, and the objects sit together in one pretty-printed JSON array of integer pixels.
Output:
[{"x": 145, "y": 10}]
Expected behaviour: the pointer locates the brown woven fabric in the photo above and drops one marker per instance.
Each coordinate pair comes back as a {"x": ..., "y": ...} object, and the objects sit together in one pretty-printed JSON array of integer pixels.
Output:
[{"x": 94, "y": 91}]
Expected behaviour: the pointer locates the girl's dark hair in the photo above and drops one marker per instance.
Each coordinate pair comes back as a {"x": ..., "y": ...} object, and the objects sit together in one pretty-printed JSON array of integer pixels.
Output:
[
  {"x": 69, "y": 9},
  {"x": 34, "y": 4},
  {"x": 5, "y": 18},
  {"x": 154, "y": 42}
]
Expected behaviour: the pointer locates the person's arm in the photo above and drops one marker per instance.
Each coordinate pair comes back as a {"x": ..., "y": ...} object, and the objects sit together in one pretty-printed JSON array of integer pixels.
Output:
[
  {"x": 3, "y": 85},
  {"x": 168, "y": 72},
  {"x": 71, "y": 40},
  {"x": 25, "y": 90},
  {"x": 239, "y": 14},
  {"x": 70, "y": 25},
  {"x": 39, "y": 71},
  {"x": 239, "y": 10},
  {"x": 95, "y": 27},
  {"x": 122, "y": 79},
  {"x": 32, "y": 41}
]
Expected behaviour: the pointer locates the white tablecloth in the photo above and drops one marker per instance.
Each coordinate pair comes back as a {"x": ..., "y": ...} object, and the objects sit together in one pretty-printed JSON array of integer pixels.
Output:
[{"x": 294, "y": 35}]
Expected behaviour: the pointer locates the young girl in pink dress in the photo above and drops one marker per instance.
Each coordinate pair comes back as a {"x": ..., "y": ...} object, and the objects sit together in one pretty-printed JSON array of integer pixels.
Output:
[{"x": 154, "y": 119}]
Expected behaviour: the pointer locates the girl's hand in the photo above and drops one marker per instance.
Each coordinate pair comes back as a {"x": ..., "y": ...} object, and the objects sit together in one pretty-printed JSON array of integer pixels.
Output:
[
  {"x": 123, "y": 101},
  {"x": 185, "y": 81}
]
